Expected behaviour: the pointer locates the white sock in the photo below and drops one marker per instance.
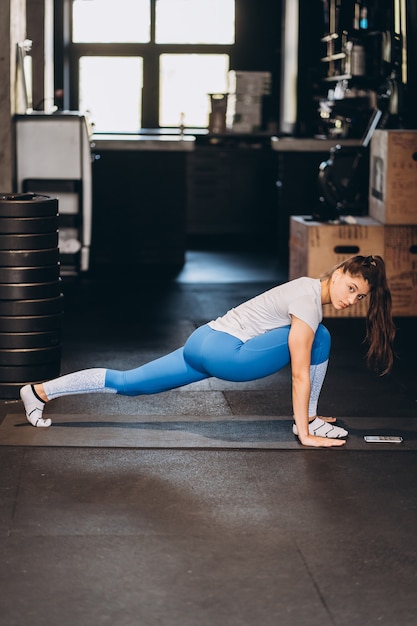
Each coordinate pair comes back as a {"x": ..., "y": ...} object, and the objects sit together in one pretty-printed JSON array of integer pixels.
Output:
[
  {"x": 320, "y": 428},
  {"x": 34, "y": 407},
  {"x": 317, "y": 375},
  {"x": 91, "y": 380}
]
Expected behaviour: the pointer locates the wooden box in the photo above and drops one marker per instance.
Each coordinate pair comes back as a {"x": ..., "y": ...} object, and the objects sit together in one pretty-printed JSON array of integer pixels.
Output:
[
  {"x": 316, "y": 247},
  {"x": 401, "y": 262},
  {"x": 393, "y": 177}
]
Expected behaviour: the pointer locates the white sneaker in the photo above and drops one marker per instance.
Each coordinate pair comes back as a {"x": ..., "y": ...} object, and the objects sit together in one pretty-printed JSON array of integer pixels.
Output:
[
  {"x": 320, "y": 428},
  {"x": 34, "y": 407}
]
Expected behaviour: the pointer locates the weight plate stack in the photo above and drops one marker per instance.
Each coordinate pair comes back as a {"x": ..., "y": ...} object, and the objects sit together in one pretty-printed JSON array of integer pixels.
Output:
[{"x": 31, "y": 301}]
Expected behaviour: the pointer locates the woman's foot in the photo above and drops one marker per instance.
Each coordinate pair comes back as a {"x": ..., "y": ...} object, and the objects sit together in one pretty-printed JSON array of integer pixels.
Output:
[
  {"x": 34, "y": 406},
  {"x": 321, "y": 428},
  {"x": 325, "y": 419}
]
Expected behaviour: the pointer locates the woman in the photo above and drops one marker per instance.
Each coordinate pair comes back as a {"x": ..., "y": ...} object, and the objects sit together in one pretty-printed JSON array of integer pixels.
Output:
[{"x": 253, "y": 340}]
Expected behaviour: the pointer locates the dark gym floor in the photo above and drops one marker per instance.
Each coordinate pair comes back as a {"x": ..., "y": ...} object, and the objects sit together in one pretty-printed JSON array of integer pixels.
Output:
[{"x": 132, "y": 537}]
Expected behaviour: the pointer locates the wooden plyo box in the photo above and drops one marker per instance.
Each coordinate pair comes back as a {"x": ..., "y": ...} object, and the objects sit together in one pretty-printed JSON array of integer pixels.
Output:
[
  {"x": 316, "y": 247},
  {"x": 393, "y": 177},
  {"x": 401, "y": 264}
]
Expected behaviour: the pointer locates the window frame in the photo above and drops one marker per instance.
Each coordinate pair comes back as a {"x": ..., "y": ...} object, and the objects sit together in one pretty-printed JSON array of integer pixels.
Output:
[{"x": 150, "y": 53}]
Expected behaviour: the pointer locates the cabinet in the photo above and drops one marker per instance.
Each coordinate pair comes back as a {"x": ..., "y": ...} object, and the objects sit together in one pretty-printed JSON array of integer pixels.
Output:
[
  {"x": 139, "y": 209},
  {"x": 231, "y": 192},
  {"x": 153, "y": 198}
]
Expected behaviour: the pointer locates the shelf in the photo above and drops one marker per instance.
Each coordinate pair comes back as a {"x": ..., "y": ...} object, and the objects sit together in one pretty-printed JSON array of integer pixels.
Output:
[
  {"x": 329, "y": 37},
  {"x": 360, "y": 79},
  {"x": 334, "y": 57},
  {"x": 335, "y": 79}
]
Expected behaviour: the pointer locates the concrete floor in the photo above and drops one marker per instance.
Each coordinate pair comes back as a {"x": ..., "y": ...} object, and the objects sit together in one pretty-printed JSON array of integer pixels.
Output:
[{"x": 131, "y": 537}]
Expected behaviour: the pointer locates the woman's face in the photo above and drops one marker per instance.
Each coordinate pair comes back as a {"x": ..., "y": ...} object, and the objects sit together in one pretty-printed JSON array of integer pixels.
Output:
[{"x": 346, "y": 290}]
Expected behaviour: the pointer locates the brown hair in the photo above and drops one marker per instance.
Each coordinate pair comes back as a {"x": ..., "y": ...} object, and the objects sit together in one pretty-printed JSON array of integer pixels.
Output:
[{"x": 380, "y": 328}]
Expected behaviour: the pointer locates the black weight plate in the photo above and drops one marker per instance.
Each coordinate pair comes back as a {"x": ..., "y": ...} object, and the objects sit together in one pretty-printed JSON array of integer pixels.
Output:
[
  {"x": 30, "y": 323},
  {"x": 31, "y": 291},
  {"x": 29, "y": 373},
  {"x": 11, "y": 392},
  {"x": 33, "y": 206},
  {"x": 16, "y": 341},
  {"x": 38, "y": 241},
  {"x": 28, "y": 225},
  {"x": 44, "y": 274},
  {"x": 29, "y": 258},
  {"x": 33, "y": 356},
  {"x": 45, "y": 306}
]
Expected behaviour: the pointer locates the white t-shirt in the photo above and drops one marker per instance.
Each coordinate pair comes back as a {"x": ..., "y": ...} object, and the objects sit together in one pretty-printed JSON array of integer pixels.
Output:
[{"x": 273, "y": 309}]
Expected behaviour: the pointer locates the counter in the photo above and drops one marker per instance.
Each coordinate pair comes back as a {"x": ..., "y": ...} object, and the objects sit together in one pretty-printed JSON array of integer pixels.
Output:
[
  {"x": 291, "y": 144},
  {"x": 163, "y": 141},
  {"x": 141, "y": 142},
  {"x": 157, "y": 187}
]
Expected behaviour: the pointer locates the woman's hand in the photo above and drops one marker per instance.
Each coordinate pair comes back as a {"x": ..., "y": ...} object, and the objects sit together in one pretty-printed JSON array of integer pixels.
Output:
[
  {"x": 300, "y": 341},
  {"x": 320, "y": 442}
]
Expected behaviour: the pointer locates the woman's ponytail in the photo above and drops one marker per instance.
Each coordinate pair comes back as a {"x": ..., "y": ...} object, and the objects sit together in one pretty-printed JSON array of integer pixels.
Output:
[{"x": 380, "y": 327}]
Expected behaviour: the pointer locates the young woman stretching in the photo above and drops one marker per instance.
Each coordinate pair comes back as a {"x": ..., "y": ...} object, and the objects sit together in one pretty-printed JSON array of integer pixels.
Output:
[{"x": 253, "y": 340}]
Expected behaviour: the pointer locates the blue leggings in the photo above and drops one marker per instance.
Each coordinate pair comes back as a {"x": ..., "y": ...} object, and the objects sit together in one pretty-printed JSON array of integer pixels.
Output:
[{"x": 209, "y": 352}]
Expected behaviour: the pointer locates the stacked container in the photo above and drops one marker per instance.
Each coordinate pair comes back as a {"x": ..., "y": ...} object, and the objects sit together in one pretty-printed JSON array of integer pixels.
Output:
[
  {"x": 316, "y": 247},
  {"x": 31, "y": 302},
  {"x": 393, "y": 202},
  {"x": 245, "y": 102}
]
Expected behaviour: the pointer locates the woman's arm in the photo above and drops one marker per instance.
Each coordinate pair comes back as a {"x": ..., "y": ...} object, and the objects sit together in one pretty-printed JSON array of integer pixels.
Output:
[{"x": 300, "y": 342}]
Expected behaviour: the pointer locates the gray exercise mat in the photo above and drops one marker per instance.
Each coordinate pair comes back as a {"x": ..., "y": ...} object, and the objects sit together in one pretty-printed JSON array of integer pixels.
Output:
[{"x": 162, "y": 431}]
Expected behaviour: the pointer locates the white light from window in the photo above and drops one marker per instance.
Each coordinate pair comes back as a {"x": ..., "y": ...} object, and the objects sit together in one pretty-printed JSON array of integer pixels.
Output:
[
  {"x": 111, "y": 21},
  {"x": 195, "y": 21},
  {"x": 185, "y": 82},
  {"x": 111, "y": 91}
]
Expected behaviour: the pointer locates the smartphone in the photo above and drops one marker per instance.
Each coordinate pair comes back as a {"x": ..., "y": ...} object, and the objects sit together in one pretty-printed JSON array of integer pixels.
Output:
[{"x": 382, "y": 439}]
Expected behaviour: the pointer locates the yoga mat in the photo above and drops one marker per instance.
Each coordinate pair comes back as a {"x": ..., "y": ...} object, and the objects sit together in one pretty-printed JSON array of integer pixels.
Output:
[{"x": 162, "y": 431}]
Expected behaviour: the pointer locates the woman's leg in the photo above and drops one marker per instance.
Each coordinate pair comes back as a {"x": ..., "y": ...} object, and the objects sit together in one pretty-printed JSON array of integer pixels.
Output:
[
  {"x": 229, "y": 358},
  {"x": 85, "y": 381},
  {"x": 206, "y": 353},
  {"x": 168, "y": 372},
  {"x": 318, "y": 368},
  {"x": 226, "y": 357},
  {"x": 162, "y": 374}
]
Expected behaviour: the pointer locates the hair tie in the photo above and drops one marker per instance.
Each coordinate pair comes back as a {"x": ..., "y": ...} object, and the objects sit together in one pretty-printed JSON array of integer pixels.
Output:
[{"x": 369, "y": 260}]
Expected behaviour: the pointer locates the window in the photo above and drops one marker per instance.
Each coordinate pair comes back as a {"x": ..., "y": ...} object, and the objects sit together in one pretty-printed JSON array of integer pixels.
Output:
[
  {"x": 195, "y": 21},
  {"x": 111, "y": 89},
  {"x": 185, "y": 80},
  {"x": 148, "y": 63},
  {"x": 107, "y": 21}
]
